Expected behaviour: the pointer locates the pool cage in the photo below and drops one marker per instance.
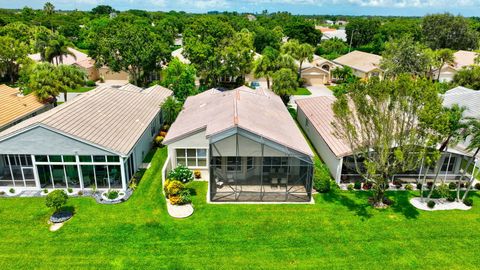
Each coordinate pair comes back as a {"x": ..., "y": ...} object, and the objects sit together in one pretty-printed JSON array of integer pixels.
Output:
[{"x": 245, "y": 167}]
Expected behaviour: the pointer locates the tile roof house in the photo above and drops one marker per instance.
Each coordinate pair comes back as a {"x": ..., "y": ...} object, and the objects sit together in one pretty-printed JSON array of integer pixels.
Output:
[
  {"x": 16, "y": 107},
  {"x": 245, "y": 143},
  {"x": 315, "y": 116},
  {"x": 462, "y": 59},
  {"x": 318, "y": 71},
  {"x": 86, "y": 63},
  {"x": 96, "y": 140},
  {"x": 364, "y": 65}
]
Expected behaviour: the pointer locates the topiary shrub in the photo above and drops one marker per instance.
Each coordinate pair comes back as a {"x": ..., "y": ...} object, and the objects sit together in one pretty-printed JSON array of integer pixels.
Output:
[
  {"x": 197, "y": 174},
  {"x": 468, "y": 201},
  {"x": 477, "y": 186},
  {"x": 80, "y": 193},
  {"x": 56, "y": 199},
  {"x": 452, "y": 185},
  {"x": 431, "y": 204},
  {"x": 173, "y": 188},
  {"x": 357, "y": 185},
  {"x": 45, "y": 190},
  {"x": 350, "y": 187},
  {"x": 181, "y": 173},
  {"x": 408, "y": 187},
  {"x": 12, "y": 190},
  {"x": 112, "y": 194},
  {"x": 69, "y": 190},
  {"x": 90, "y": 83}
]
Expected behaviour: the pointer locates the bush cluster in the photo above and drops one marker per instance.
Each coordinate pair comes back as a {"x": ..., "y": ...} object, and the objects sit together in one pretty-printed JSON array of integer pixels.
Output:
[
  {"x": 477, "y": 186},
  {"x": 431, "y": 204},
  {"x": 112, "y": 194},
  {"x": 468, "y": 201},
  {"x": 181, "y": 173},
  {"x": 176, "y": 192},
  {"x": 408, "y": 187},
  {"x": 452, "y": 185},
  {"x": 350, "y": 187},
  {"x": 357, "y": 185},
  {"x": 56, "y": 199}
]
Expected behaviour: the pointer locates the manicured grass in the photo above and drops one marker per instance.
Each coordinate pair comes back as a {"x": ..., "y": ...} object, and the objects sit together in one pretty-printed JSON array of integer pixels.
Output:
[
  {"x": 82, "y": 89},
  {"x": 302, "y": 92},
  {"x": 339, "y": 231}
]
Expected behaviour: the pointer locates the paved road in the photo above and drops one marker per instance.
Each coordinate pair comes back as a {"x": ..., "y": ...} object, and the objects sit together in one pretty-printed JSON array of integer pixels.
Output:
[{"x": 317, "y": 91}]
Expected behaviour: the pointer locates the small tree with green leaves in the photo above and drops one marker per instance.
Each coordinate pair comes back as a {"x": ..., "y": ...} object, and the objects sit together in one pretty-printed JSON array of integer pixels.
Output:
[
  {"x": 284, "y": 83},
  {"x": 170, "y": 110},
  {"x": 56, "y": 199},
  {"x": 300, "y": 52}
]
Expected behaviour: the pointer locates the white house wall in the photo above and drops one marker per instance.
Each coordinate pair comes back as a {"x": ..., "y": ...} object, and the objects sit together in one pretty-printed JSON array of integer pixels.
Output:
[
  {"x": 333, "y": 163},
  {"x": 145, "y": 142}
]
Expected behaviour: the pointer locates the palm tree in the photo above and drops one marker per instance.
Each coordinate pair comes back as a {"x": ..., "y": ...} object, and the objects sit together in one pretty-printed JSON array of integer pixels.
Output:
[
  {"x": 49, "y": 8},
  {"x": 444, "y": 56},
  {"x": 56, "y": 49},
  {"x": 473, "y": 134},
  {"x": 69, "y": 77},
  {"x": 170, "y": 110},
  {"x": 43, "y": 83},
  {"x": 301, "y": 52},
  {"x": 455, "y": 130}
]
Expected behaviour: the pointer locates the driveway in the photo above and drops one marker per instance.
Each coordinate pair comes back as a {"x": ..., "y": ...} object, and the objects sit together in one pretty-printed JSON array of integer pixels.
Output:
[
  {"x": 317, "y": 91},
  {"x": 70, "y": 96}
]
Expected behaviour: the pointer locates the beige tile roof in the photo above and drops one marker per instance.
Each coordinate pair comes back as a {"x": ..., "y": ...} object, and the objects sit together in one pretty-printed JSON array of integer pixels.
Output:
[
  {"x": 68, "y": 59},
  {"x": 258, "y": 111},
  {"x": 111, "y": 118},
  {"x": 13, "y": 106},
  {"x": 358, "y": 60},
  {"x": 319, "y": 113},
  {"x": 464, "y": 59},
  {"x": 86, "y": 63}
]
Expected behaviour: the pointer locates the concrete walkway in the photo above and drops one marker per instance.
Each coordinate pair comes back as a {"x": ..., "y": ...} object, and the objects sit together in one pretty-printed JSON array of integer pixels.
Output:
[
  {"x": 317, "y": 91},
  {"x": 70, "y": 96},
  {"x": 179, "y": 211}
]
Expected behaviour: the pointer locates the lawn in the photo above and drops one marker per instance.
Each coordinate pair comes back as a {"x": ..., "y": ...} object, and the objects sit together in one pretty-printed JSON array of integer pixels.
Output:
[
  {"x": 82, "y": 89},
  {"x": 339, "y": 231},
  {"x": 301, "y": 91}
]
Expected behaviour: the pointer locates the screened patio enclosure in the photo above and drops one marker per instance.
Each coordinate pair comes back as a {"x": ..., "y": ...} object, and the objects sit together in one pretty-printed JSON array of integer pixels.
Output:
[{"x": 245, "y": 167}]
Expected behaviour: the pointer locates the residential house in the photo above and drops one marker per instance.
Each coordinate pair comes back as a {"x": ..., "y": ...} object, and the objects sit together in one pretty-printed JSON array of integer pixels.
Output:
[
  {"x": 318, "y": 71},
  {"x": 96, "y": 141},
  {"x": 364, "y": 65},
  {"x": 16, "y": 107},
  {"x": 329, "y": 33},
  {"x": 178, "y": 53},
  {"x": 315, "y": 116},
  {"x": 462, "y": 59},
  {"x": 86, "y": 63},
  {"x": 245, "y": 144}
]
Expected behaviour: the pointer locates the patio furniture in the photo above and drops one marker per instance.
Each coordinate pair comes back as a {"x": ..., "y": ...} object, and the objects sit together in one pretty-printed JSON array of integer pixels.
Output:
[
  {"x": 274, "y": 182},
  {"x": 283, "y": 181},
  {"x": 218, "y": 183}
]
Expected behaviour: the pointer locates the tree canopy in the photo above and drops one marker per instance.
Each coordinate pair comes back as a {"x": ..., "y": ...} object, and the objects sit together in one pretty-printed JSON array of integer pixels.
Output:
[{"x": 449, "y": 31}]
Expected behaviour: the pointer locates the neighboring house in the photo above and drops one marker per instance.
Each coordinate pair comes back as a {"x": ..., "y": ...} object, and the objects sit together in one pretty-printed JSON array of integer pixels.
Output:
[
  {"x": 245, "y": 144},
  {"x": 86, "y": 63},
  {"x": 98, "y": 140},
  {"x": 341, "y": 22},
  {"x": 315, "y": 116},
  {"x": 329, "y": 22},
  {"x": 15, "y": 107},
  {"x": 178, "y": 53},
  {"x": 317, "y": 72},
  {"x": 462, "y": 59},
  {"x": 364, "y": 65},
  {"x": 329, "y": 33}
]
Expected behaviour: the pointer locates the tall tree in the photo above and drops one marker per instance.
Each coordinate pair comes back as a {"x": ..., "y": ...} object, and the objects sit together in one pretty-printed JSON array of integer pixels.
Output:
[
  {"x": 12, "y": 53},
  {"x": 468, "y": 77},
  {"x": 57, "y": 49},
  {"x": 129, "y": 47},
  {"x": 69, "y": 77},
  {"x": 332, "y": 48},
  {"x": 48, "y": 8},
  {"x": 265, "y": 65},
  {"x": 284, "y": 83},
  {"x": 361, "y": 31},
  {"x": 300, "y": 52},
  {"x": 102, "y": 10},
  {"x": 405, "y": 55},
  {"x": 180, "y": 78},
  {"x": 390, "y": 125},
  {"x": 444, "y": 56},
  {"x": 303, "y": 31},
  {"x": 448, "y": 31},
  {"x": 236, "y": 56},
  {"x": 473, "y": 135}
]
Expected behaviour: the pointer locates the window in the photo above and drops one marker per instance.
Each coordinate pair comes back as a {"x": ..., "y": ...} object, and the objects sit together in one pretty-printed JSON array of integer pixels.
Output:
[
  {"x": 55, "y": 158},
  {"x": 446, "y": 166},
  {"x": 192, "y": 157},
  {"x": 249, "y": 163},
  {"x": 98, "y": 158},
  {"x": 41, "y": 159},
  {"x": 69, "y": 159},
  {"x": 113, "y": 159},
  {"x": 85, "y": 158},
  {"x": 234, "y": 164}
]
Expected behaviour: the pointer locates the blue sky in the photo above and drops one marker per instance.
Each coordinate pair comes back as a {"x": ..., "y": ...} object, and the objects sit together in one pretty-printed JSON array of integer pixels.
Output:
[{"x": 347, "y": 7}]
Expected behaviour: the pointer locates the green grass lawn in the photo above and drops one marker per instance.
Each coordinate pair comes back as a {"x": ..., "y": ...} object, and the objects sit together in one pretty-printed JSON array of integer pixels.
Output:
[
  {"x": 82, "y": 89},
  {"x": 301, "y": 91},
  {"x": 339, "y": 231}
]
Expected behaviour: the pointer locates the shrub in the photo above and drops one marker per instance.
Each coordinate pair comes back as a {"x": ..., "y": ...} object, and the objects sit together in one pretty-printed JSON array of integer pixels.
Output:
[
  {"x": 165, "y": 127},
  {"x": 90, "y": 83},
  {"x": 163, "y": 134},
  {"x": 175, "y": 199},
  {"x": 12, "y": 190},
  {"x": 357, "y": 185},
  {"x": 451, "y": 198},
  {"x": 197, "y": 174},
  {"x": 70, "y": 190},
  {"x": 397, "y": 183},
  {"x": 367, "y": 185},
  {"x": 185, "y": 197},
  {"x": 419, "y": 186},
  {"x": 181, "y": 173},
  {"x": 468, "y": 201},
  {"x": 429, "y": 184},
  {"x": 112, "y": 194},
  {"x": 80, "y": 193},
  {"x": 56, "y": 199},
  {"x": 408, "y": 187},
  {"x": 173, "y": 188},
  {"x": 2, "y": 193},
  {"x": 431, "y": 204},
  {"x": 45, "y": 190},
  {"x": 322, "y": 181},
  {"x": 350, "y": 187},
  {"x": 477, "y": 186},
  {"x": 158, "y": 140},
  {"x": 452, "y": 185},
  {"x": 441, "y": 191}
]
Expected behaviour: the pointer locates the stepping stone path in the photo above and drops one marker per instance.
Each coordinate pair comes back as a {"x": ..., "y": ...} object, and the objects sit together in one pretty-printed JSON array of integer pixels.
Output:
[{"x": 179, "y": 211}]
